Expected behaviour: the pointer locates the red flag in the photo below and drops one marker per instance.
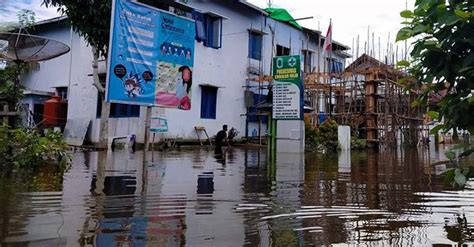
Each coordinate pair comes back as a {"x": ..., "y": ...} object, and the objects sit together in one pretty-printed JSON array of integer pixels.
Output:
[{"x": 327, "y": 46}]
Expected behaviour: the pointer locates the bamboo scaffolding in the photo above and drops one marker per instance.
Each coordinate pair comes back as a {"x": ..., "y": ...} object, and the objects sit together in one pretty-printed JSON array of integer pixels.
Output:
[{"x": 369, "y": 98}]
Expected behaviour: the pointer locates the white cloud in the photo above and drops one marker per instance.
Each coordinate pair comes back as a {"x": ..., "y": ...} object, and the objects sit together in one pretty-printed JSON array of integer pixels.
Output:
[
  {"x": 10, "y": 8},
  {"x": 350, "y": 18}
]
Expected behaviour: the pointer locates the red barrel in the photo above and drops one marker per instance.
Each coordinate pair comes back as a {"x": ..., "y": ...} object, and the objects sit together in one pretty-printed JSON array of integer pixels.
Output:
[{"x": 55, "y": 112}]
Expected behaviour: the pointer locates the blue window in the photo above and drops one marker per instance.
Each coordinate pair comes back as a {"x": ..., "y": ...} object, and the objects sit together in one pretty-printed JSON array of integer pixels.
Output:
[
  {"x": 308, "y": 61},
  {"x": 62, "y": 92},
  {"x": 208, "y": 102},
  {"x": 258, "y": 99},
  {"x": 214, "y": 32},
  {"x": 255, "y": 45},
  {"x": 119, "y": 110},
  {"x": 199, "y": 18},
  {"x": 282, "y": 51},
  {"x": 336, "y": 66},
  {"x": 208, "y": 29},
  {"x": 123, "y": 110}
]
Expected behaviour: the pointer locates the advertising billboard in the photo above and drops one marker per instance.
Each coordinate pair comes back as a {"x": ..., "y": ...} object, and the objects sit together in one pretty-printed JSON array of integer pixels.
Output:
[{"x": 151, "y": 57}]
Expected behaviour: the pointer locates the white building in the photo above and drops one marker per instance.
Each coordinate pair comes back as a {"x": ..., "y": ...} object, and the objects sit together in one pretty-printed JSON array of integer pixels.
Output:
[{"x": 244, "y": 39}]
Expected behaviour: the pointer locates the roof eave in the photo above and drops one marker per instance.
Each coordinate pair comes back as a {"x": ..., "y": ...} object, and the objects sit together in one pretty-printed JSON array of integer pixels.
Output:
[
  {"x": 254, "y": 7},
  {"x": 305, "y": 29},
  {"x": 52, "y": 20}
]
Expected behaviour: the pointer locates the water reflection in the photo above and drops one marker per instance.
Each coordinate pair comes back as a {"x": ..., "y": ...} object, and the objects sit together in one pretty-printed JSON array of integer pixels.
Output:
[{"x": 192, "y": 198}]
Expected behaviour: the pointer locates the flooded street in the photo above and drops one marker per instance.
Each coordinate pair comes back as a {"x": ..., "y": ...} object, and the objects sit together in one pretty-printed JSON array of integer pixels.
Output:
[{"x": 191, "y": 198}]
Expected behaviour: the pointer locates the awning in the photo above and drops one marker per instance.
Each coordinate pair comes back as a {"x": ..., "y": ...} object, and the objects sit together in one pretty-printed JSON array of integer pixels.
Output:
[
  {"x": 257, "y": 31},
  {"x": 214, "y": 14},
  {"x": 209, "y": 85}
]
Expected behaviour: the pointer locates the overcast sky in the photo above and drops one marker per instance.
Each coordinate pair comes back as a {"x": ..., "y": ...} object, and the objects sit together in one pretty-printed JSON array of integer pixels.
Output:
[
  {"x": 9, "y": 9},
  {"x": 350, "y": 17}
]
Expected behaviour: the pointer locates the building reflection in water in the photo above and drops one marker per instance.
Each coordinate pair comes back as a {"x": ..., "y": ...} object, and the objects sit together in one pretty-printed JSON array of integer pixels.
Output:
[
  {"x": 190, "y": 198},
  {"x": 205, "y": 190},
  {"x": 367, "y": 193},
  {"x": 257, "y": 188},
  {"x": 128, "y": 211}
]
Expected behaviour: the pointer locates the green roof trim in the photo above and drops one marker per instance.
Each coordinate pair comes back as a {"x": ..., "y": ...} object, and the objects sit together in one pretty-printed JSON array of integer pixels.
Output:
[{"x": 283, "y": 15}]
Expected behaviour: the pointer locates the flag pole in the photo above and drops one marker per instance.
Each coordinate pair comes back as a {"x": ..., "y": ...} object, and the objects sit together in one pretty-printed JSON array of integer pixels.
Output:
[
  {"x": 320, "y": 103},
  {"x": 330, "y": 63}
]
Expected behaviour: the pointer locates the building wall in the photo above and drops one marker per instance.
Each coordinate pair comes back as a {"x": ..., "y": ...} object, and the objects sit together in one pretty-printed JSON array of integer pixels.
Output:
[
  {"x": 54, "y": 72},
  {"x": 225, "y": 68}
]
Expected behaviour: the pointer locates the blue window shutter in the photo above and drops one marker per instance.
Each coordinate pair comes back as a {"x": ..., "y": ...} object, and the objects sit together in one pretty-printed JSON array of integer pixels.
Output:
[
  {"x": 336, "y": 66},
  {"x": 258, "y": 49},
  {"x": 213, "y": 103},
  {"x": 135, "y": 111},
  {"x": 255, "y": 45},
  {"x": 220, "y": 33},
  {"x": 200, "y": 26},
  {"x": 204, "y": 110},
  {"x": 213, "y": 31},
  {"x": 250, "y": 45},
  {"x": 208, "y": 102},
  {"x": 209, "y": 31},
  {"x": 113, "y": 110}
]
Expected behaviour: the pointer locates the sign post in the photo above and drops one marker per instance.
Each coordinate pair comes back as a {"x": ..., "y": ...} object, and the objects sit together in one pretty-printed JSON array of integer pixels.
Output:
[
  {"x": 287, "y": 87},
  {"x": 288, "y": 104}
]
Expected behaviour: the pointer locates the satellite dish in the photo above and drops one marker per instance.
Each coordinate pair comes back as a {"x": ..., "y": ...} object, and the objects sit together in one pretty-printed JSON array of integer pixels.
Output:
[{"x": 22, "y": 47}]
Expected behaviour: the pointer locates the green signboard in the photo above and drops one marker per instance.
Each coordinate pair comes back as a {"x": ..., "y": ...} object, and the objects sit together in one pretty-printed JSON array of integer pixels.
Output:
[{"x": 287, "y": 88}]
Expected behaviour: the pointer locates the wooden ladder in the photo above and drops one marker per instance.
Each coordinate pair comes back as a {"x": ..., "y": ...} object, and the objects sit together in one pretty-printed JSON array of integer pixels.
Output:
[{"x": 203, "y": 129}]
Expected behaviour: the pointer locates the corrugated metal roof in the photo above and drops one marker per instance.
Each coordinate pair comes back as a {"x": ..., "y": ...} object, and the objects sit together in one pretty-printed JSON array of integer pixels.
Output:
[
  {"x": 256, "y": 8},
  {"x": 52, "y": 20}
]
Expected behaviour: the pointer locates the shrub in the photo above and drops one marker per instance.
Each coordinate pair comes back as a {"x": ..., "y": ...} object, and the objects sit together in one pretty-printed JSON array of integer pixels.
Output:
[
  {"x": 358, "y": 144},
  {"x": 22, "y": 148},
  {"x": 324, "y": 137}
]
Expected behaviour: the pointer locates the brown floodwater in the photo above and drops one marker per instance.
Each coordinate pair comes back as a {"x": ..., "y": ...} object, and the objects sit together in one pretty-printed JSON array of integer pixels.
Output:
[{"x": 192, "y": 198}]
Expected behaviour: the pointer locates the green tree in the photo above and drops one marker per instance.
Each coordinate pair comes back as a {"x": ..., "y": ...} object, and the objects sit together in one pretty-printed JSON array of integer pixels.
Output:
[
  {"x": 443, "y": 62},
  {"x": 26, "y": 18},
  {"x": 91, "y": 19},
  {"x": 10, "y": 74},
  {"x": 443, "y": 57},
  {"x": 9, "y": 90}
]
